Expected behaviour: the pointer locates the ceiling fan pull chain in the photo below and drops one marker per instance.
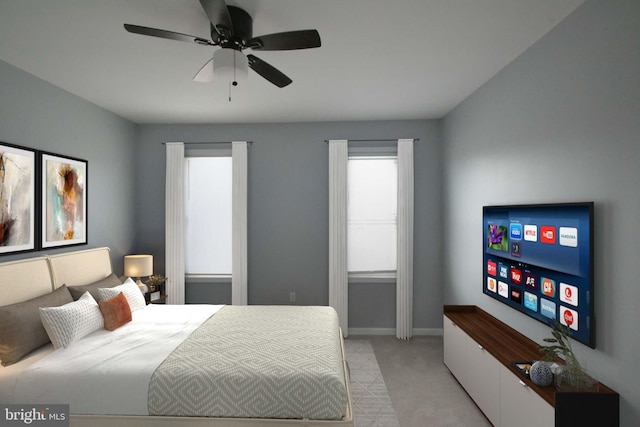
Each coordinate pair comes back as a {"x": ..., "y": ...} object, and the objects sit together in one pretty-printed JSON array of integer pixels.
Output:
[{"x": 235, "y": 82}]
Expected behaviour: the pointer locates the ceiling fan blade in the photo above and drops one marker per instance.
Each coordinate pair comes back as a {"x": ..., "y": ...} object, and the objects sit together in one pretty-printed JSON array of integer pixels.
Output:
[
  {"x": 205, "y": 74},
  {"x": 218, "y": 14},
  {"x": 268, "y": 71},
  {"x": 290, "y": 40},
  {"x": 164, "y": 34}
]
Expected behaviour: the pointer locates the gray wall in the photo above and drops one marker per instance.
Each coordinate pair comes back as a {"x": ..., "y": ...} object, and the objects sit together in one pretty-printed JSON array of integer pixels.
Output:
[
  {"x": 560, "y": 123},
  {"x": 36, "y": 114},
  {"x": 288, "y": 213}
]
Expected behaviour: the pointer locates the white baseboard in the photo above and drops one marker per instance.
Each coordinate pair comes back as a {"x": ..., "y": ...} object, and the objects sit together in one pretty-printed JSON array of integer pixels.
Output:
[{"x": 392, "y": 331}]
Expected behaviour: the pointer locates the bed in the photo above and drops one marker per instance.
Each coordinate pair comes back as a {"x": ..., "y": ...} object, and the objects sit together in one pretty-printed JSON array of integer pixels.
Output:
[{"x": 191, "y": 365}]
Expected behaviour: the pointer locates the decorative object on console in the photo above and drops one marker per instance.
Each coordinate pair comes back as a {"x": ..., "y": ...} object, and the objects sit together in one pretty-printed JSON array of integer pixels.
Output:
[
  {"x": 540, "y": 373},
  {"x": 64, "y": 201},
  {"x": 571, "y": 376},
  {"x": 139, "y": 266}
]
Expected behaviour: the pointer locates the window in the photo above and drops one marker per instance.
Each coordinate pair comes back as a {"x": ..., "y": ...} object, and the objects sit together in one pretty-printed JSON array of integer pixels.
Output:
[
  {"x": 208, "y": 213},
  {"x": 372, "y": 186}
]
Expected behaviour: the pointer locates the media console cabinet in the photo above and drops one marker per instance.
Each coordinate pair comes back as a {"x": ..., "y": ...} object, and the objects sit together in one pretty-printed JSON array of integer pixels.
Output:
[{"x": 479, "y": 351}]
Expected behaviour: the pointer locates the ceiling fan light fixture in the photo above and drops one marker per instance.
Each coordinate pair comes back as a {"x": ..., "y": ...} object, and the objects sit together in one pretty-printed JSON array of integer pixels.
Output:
[{"x": 230, "y": 64}]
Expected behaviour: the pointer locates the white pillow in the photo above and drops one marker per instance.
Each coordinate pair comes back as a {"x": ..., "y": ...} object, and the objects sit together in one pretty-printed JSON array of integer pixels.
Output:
[
  {"x": 72, "y": 321},
  {"x": 131, "y": 292}
]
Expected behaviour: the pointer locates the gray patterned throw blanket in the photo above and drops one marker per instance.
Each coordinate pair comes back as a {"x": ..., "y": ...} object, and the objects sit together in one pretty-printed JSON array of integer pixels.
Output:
[{"x": 256, "y": 362}]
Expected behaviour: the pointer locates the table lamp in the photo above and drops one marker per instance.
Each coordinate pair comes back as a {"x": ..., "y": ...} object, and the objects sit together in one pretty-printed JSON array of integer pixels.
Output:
[{"x": 139, "y": 266}]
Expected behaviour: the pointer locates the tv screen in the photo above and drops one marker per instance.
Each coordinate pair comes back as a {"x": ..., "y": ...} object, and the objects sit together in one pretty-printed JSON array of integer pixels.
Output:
[{"x": 538, "y": 259}]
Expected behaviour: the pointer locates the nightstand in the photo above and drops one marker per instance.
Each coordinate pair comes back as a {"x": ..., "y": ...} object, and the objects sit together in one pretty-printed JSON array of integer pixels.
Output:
[{"x": 156, "y": 294}]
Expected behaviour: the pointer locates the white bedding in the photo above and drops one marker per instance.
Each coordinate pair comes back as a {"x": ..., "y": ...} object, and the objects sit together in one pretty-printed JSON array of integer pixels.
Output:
[{"x": 137, "y": 348}]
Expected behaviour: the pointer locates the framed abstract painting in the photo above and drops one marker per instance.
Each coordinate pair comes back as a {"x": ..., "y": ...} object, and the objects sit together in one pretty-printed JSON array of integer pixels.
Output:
[
  {"x": 17, "y": 199},
  {"x": 64, "y": 201}
]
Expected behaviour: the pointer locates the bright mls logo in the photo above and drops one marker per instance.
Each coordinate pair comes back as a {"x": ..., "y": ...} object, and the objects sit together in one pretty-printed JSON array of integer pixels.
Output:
[
  {"x": 515, "y": 231},
  {"x": 547, "y": 308},
  {"x": 568, "y": 294},
  {"x": 530, "y": 233},
  {"x": 569, "y": 317},
  {"x": 548, "y": 234},
  {"x": 37, "y": 415},
  {"x": 531, "y": 301},
  {"x": 569, "y": 236},
  {"x": 491, "y": 284}
]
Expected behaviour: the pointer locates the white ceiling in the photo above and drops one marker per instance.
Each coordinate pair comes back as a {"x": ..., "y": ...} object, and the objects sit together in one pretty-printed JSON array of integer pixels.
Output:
[{"x": 379, "y": 60}]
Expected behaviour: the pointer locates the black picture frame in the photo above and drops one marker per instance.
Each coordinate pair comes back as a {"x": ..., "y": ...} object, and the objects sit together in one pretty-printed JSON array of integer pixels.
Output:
[
  {"x": 64, "y": 201},
  {"x": 18, "y": 199}
]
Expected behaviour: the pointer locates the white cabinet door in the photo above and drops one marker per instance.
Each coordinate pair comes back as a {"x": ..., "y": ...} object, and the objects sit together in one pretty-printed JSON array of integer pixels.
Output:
[
  {"x": 483, "y": 380},
  {"x": 455, "y": 350},
  {"x": 520, "y": 406}
]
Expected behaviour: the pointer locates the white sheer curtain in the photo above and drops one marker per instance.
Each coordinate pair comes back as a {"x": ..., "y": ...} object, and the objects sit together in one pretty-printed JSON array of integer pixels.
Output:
[
  {"x": 239, "y": 224},
  {"x": 338, "y": 275},
  {"x": 174, "y": 223},
  {"x": 404, "y": 286}
]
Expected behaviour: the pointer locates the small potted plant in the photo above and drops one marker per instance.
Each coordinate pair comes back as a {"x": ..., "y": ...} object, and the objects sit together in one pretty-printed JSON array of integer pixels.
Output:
[
  {"x": 154, "y": 282},
  {"x": 571, "y": 376}
]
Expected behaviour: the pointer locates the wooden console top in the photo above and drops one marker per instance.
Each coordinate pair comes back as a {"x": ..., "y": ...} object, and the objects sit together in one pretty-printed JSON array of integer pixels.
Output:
[{"x": 503, "y": 342}]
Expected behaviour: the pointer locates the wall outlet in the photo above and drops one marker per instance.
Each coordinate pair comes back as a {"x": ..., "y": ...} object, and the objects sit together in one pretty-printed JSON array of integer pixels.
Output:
[{"x": 292, "y": 297}]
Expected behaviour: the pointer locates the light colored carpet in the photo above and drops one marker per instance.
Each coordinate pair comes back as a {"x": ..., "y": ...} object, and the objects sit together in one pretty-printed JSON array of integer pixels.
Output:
[
  {"x": 422, "y": 390},
  {"x": 371, "y": 401}
]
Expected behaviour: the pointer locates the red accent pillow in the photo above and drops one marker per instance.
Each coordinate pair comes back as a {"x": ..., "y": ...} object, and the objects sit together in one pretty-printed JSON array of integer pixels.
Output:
[{"x": 116, "y": 312}]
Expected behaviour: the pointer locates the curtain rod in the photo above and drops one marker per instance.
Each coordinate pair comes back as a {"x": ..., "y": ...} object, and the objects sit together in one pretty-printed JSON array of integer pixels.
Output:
[
  {"x": 373, "y": 140},
  {"x": 211, "y": 142}
]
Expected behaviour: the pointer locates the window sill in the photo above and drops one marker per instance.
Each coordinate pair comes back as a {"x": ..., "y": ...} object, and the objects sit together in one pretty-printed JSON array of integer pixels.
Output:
[
  {"x": 372, "y": 277},
  {"x": 207, "y": 278}
]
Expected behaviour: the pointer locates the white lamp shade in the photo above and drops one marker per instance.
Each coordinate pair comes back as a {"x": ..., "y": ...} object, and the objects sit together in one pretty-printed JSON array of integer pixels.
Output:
[
  {"x": 230, "y": 64},
  {"x": 138, "y": 265}
]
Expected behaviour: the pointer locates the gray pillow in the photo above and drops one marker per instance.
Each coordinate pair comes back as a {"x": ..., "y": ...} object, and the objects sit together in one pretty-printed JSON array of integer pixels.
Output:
[
  {"x": 108, "y": 282},
  {"x": 21, "y": 329}
]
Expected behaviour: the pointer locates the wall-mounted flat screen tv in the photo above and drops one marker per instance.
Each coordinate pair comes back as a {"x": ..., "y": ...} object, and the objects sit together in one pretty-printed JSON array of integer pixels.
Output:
[{"x": 538, "y": 259}]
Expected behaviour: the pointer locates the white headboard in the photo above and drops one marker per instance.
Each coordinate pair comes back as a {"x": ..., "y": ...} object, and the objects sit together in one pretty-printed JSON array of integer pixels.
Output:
[
  {"x": 29, "y": 278},
  {"x": 24, "y": 279},
  {"x": 80, "y": 267}
]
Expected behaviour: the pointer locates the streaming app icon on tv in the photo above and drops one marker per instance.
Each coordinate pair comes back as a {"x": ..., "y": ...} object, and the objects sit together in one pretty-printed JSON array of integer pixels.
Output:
[
  {"x": 531, "y": 301},
  {"x": 516, "y": 295},
  {"x": 548, "y": 287},
  {"x": 492, "y": 284},
  {"x": 503, "y": 289},
  {"x": 497, "y": 237},
  {"x": 569, "y": 294},
  {"x": 516, "y": 276},
  {"x": 503, "y": 271},
  {"x": 530, "y": 281},
  {"x": 569, "y": 317},
  {"x": 547, "y": 308},
  {"x": 491, "y": 268}
]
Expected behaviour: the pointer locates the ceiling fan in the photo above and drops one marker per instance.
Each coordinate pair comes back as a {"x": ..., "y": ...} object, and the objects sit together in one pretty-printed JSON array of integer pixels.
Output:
[{"x": 232, "y": 30}]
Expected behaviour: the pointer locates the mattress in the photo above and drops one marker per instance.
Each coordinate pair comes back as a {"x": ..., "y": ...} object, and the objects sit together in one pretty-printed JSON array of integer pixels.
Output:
[{"x": 196, "y": 360}]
